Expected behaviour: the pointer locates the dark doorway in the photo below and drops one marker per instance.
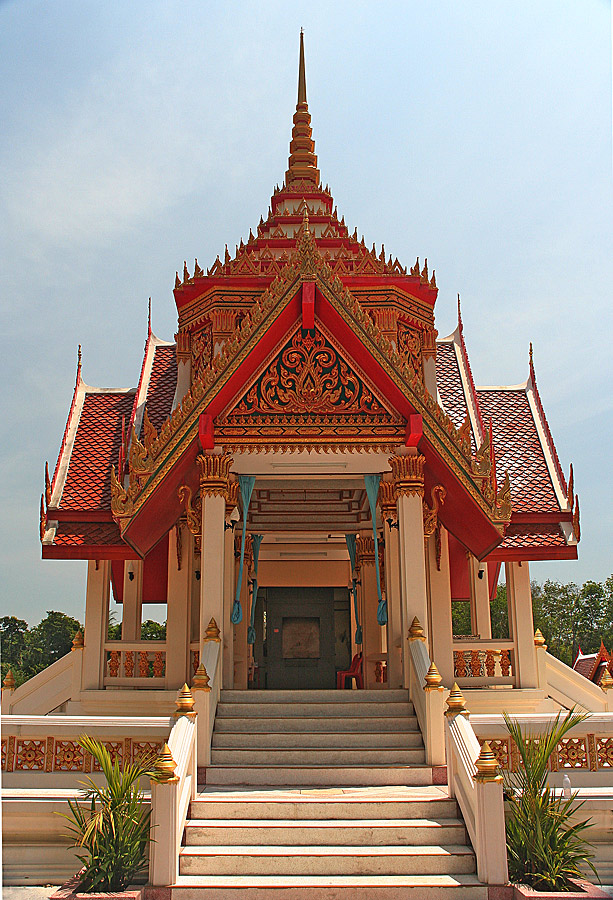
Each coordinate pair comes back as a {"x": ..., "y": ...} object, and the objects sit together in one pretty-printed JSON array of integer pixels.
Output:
[{"x": 300, "y": 633}]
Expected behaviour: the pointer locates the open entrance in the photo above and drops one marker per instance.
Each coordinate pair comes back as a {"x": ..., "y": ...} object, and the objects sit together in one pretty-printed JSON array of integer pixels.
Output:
[{"x": 303, "y": 637}]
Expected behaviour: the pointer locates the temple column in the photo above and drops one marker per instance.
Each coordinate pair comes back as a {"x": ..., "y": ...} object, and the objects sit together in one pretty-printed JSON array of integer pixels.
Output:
[
  {"x": 228, "y": 590},
  {"x": 371, "y": 630},
  {"x": 178, "y": 607},
  {"x": 395, "y": 629},
  {"x": 440, "y": 625},
  {"x": 240, "y": 645},
  {"x": 132, "y": 601},
  {"x": 408, "y": 472},
  {"x": 480, "y": 615},
  {"x": 519, "y": 599},
  {"x": 214, "y": 472},
  {"x": 96, "y": 623}
]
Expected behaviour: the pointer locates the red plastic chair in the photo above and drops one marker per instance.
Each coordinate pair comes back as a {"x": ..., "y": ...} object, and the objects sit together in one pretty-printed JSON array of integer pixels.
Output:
[{"x": 354, "y": 671}]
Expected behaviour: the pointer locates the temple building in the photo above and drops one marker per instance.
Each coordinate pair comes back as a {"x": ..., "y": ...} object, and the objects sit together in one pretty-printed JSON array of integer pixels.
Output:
[{"x": 304, "y": 481}]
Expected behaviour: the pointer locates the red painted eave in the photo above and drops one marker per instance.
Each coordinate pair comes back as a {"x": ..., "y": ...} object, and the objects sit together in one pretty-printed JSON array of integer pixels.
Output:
[
  {"x": 89, "y": 551},
  {"x": 532, "y": 554}
]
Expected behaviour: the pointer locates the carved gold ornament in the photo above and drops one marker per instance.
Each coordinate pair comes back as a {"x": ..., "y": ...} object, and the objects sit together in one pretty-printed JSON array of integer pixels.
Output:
[
  {"x": 430, "y": 513},
  {"x": 193, "y": 512},
  {"x": 214, "y": 473},
  {"x": 408, "y": 474}
]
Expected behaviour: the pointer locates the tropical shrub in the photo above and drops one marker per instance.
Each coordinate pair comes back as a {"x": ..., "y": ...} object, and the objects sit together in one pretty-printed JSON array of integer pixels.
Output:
[
  {"x": 110, "y": 823},
  {"x": 545, "y": 849}
]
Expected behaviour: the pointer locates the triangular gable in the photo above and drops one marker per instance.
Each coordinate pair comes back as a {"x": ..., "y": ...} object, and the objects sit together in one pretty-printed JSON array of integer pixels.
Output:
[
  {"x": 159, "y": 468},
  {"x": 310, "y": 393}
]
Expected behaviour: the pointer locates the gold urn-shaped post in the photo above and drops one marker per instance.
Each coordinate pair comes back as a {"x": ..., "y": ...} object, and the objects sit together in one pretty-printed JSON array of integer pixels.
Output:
[
  {"x": 416, "y": 632},
  {"x": 539, "y": 640},
  {"x": 456, "y": 704},
  {"x": 9, "y": 681},
  {"x": 77, "y": 641},
  {"x": 185, "y": 702},
  {"x": 165, "y": 766},
  {"x": 487, "y": 765},
  {"x": 212, "y": 632},
  {"x": 201, "y": 679},
  {"x": 433, "y": 679}
]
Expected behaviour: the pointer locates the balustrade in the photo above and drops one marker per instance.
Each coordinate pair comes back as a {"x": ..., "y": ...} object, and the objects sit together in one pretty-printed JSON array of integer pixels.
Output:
[
  {"x": 128, "y": 663},
  {"x": 483, "y": 663}
]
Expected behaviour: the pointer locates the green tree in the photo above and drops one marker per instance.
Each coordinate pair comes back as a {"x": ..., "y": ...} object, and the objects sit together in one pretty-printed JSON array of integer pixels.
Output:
[
  {"x": 153, "y": 631},
  {"x": 52, "y": 637}
]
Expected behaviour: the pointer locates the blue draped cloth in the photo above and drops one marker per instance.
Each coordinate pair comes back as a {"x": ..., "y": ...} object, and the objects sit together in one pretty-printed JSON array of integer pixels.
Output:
[
  {"x": 245, "y": 483},
  {"x": 350, "y": 540},
  {"x": 257, "y": 540},
  {"x": 372, "y": 489}
]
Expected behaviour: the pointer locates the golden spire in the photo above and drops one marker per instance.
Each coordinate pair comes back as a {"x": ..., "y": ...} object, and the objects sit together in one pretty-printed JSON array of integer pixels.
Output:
[{"x": 302, "y": 159}]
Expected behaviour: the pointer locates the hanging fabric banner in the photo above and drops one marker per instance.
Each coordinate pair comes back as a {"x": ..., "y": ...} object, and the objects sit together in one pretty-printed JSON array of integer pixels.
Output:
[
  {"x": 372, "y": 489},
  {"x": 351, "y": 549},
  {"x": 257, "y": 540},
  {"x": 245, "y": 483}
]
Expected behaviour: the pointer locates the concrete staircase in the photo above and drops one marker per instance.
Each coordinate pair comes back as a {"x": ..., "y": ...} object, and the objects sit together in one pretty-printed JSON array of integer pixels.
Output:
[{"x": 322, "y": 794}]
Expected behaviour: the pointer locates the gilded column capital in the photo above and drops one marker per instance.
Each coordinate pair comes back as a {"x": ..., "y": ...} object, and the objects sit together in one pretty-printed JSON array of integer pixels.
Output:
[
  {"x": 232, "y": 496},
  {"x": 408, "y": 473},
  {"x": 365, "y": 551},
  {"x": 214, "y": 473}
]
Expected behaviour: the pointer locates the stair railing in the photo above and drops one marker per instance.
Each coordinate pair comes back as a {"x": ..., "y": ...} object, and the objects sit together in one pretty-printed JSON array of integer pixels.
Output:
[
  {"x": 171, "y": 794},
  {"x": 475, "y": 782},
  {"x": 568, "y": 687},
  {"x": 427, "y": 695},
  {"x": 206, "y": 687}
]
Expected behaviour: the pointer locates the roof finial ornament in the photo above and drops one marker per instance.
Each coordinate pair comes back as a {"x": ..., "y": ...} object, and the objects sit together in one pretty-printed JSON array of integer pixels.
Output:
[
  {"x": 302, "y": 161},
  {"x": 79, "y": 364},
  {"x": 149, "y": 319},
  {"x": 460, "y": 314}
]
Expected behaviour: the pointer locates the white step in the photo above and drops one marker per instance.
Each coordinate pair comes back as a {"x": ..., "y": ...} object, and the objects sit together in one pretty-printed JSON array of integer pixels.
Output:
[
  {"x": 368, "y": 803},
  {"x": 382, "y": 756},
  {"x": 308, "y": 696},
  {"x": 310, "y": 725},
  {"x": 329, "y": 887},
  {"x": 333, "y": 832},
  {"x": 319, "y": 740},
  {"x": 337, "y": 776},
  {"x": 292, "y": 860},
  {"x": 271, "y": 710}
]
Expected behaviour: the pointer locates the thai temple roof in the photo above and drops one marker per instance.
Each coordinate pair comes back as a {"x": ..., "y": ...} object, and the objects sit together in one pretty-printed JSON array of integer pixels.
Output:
[
  {"x": 505, "y": 423},
  {"x": 594, "y": 665}
]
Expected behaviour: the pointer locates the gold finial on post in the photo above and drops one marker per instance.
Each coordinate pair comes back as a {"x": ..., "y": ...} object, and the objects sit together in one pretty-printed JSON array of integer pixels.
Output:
[
  {"x": 456, "y": 704},
  {"x": 201, "y": 679},
  {"x": 487, "y": 765},
  {"x": 184, "y": 702},
  {"x": 539, "y": 640},
  {"x": 416, "y": 632},
  {"x": 433, "y": 679},
  {"x": 606, "y": 682},
  {"x": 9, "y": 681},
  {"x": 165, "y": 766},
  {"x": 77, "y": 642},
  {"x": 212, "y": 632}
]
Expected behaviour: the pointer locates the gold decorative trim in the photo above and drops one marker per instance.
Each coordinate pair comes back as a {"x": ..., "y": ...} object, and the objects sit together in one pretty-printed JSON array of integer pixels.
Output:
[
  {"x": 214, "y": 473},
  {"x": 430, "y": 513},
  {"x": 408, "y": 474},
  {"x": 193, "y": 512}
]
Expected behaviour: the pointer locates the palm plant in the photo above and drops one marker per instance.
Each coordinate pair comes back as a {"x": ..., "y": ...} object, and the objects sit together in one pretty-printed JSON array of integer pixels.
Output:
[
  {"x": 545, "y": 847},
  {"x": 113, "y": 827}
]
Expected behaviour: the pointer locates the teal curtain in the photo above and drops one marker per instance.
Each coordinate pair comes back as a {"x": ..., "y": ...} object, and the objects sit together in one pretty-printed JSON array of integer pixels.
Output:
[
  {"x": 245, "y": 483},
  {"x": 372, "y": 489},
  {"x": 257, "y": 540},
  {"x": 350, "y": 540}
]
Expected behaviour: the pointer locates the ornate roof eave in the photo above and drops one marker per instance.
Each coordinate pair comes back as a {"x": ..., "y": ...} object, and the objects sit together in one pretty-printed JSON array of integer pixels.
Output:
[{"x": 153, "y": 461}]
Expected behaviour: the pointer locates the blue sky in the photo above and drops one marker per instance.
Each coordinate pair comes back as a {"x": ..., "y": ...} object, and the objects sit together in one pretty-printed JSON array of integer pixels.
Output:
[{"x": 137, "y": 135}]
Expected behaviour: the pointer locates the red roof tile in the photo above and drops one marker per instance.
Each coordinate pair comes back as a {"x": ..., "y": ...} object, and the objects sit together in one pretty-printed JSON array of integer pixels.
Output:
[
  {"x": 449, "y": 383},
  {"x": 95, "y": 449},
  {"x": 162, "y": 385},
  {"x": 78, "y": 534},
  {"x": 533, "y": 535},
  {"x": 518, "y": 449},
  {"x": 584, "y": 665}
]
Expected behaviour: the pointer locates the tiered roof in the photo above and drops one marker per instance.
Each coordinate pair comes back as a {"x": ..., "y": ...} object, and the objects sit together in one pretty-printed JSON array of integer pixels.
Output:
[
  {"x": 593, "y": 666},
  {"x": 389, "y": 305}
]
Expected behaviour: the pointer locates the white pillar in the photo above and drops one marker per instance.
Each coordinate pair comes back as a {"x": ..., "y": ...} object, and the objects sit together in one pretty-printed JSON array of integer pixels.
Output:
[
  {"x": 96, "y": 623},
  {"x": 132, "y": 601},
  {"x": 409, "y": 477},
  {"x": 241, "y": 647},
  {"x": 214, "y": 472},
  {"x": 228, "y": 601},
  {"x": 519, "y": 598},
  {"x": 441, "y": 628},
  {"x": 371, "y": 630},
  {"x": 178, "y": 608},
  {"x": 396, "y": 631},
  {"x": 479, "y": 598}
]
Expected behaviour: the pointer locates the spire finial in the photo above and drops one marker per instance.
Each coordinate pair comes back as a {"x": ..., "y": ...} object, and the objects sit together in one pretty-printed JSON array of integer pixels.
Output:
[
  {"x": 302, "y": 95},
  {"x": 302, "y": 160},
  {"x": 149, "y": 318},
  {"x": 79, "y": 364},
  {"x": 460, "y": 313}
]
